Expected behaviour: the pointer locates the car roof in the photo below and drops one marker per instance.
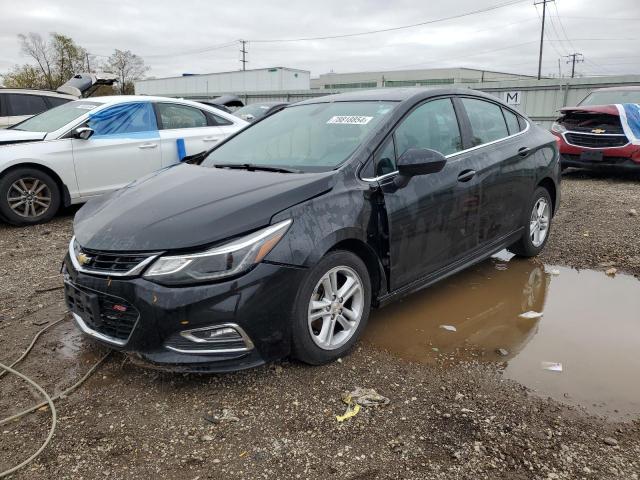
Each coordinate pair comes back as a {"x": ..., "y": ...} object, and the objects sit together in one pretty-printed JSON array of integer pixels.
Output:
[
  {"x": 34, "y": 91},
  {"x": 394, "y": 95}
]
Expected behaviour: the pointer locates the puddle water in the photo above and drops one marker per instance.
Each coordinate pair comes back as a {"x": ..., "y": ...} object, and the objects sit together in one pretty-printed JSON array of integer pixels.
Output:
[{"x": 590, "y": 326}]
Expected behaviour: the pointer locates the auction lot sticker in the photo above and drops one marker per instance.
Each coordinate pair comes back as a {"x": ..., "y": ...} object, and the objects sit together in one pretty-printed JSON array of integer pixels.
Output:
[{"x": 350, "y": 119}]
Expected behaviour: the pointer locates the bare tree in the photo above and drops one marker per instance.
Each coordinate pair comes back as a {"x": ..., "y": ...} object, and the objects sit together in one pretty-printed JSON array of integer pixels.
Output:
[
  {"x": 129, "y": 67},
  {"x": 56, "y": 61},
  {"x": 35, "y": 47}
]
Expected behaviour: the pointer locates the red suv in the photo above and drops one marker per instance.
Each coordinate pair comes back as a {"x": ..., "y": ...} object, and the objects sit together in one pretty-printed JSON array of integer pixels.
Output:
[{"x": 591, "y": 135}]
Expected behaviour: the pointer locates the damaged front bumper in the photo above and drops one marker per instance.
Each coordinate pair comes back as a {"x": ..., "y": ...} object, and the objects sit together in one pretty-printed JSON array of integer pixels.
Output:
[{"x": 224, "y": 326}]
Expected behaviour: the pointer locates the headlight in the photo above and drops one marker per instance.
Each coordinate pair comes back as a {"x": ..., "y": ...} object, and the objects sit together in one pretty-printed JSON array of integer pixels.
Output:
[
  {"x": 558, "y": 128},
  {"x": 222, "y": 261}
]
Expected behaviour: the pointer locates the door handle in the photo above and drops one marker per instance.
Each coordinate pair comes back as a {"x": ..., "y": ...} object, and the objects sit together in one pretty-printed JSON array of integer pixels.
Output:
[
  {"x": 148, "y": 145},
  {"x": 466, "y": 175},
  {"x": 209, "y": 139},
  {"x": 524, "y": 151}
]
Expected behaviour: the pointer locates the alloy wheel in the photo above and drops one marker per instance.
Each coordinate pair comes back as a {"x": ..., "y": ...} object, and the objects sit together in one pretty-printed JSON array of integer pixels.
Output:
[
  {"x": 539, "y": 223},
  {"x": 29, "y": 197},
  {"x": 336, "y": 308}
]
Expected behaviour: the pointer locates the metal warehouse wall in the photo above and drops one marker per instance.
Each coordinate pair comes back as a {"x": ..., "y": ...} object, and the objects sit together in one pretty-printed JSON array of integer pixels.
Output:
[{"x": 539, "y": 99}]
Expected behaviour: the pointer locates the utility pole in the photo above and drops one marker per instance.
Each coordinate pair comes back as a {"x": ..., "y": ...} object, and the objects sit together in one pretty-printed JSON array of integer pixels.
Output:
[
  {"x": 544, "y": 14},
  {"x": 88, "y": 66},
  {"x": 575, "y": 58},
  {"x": 243, "y": 50}
]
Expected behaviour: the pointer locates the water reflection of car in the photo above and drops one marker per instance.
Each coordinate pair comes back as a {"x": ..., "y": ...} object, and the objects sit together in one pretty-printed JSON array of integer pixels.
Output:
[
  {"x": 256, "y": 111},
  {"x": 483, "y": 303},
  {"x": 591, "y": 134},
  {"x": 88, "y": 147}
]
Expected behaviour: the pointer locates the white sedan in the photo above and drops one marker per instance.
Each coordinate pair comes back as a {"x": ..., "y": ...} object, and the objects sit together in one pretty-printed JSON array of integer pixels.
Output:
[{"x": 86, "y": 148}]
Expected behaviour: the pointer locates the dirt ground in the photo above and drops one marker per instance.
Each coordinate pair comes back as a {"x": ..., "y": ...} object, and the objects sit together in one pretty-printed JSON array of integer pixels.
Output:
[{"x": 449, "y": 420}]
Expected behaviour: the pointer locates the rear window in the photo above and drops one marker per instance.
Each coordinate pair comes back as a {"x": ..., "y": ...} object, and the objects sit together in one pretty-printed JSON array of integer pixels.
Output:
[
  {"x": 24, "y": 104},
  {"x": 57, "y": 101},
  {"x": 487, "y": 122},
  {"x": 512, "y": 121}
]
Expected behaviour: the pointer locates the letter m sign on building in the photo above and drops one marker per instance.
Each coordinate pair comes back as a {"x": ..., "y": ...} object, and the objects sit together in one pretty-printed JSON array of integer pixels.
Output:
[{"x": 512, "y": 98}]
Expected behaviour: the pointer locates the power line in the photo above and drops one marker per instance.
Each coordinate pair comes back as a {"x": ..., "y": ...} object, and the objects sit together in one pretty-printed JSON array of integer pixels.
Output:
[{"x": 391, "y": 29}]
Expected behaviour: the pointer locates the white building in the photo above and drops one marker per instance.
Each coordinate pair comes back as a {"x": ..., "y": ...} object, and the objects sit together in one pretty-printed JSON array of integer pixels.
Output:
[
  {"x": 212, "y": 84},
  {"x": 409, "y": 78}
]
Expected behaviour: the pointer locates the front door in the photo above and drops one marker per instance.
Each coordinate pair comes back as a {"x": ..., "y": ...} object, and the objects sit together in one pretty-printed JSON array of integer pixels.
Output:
[
  {"x": 433, "y": 219},
  {"x": 125, "y": 146},
  {"x": 184, "y": 123}
]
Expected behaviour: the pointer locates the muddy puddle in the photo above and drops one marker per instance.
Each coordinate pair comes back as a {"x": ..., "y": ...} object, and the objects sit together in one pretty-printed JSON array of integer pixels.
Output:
[{"x": 582, "y": 351}]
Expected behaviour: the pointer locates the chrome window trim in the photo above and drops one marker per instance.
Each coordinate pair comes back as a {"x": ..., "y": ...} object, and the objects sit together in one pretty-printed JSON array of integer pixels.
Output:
[
  {"x": 134, "y": 271},
  {"x": 187, "y": 334},
  {"x": 461, "y": 152},
  {"x": 595, "y": 135}
]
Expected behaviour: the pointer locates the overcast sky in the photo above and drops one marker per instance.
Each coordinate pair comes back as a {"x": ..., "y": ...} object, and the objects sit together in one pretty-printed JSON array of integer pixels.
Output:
[{"x": 171, "y": 35}]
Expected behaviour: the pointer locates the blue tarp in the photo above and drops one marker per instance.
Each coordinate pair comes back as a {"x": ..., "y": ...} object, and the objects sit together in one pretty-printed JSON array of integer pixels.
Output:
[
  {"x": 630, "y": 120},
  {"x": 125, "y": 120}
]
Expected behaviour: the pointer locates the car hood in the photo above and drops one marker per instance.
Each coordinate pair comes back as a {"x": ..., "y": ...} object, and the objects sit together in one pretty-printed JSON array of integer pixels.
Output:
[
  {"x": 188, "y": 206},
  {"x": 8, "y": 137},
  {"x": 608, "y": 109}
]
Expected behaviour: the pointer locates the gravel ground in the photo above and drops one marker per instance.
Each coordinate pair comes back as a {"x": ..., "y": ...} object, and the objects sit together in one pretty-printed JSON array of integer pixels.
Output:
[{"x": 444, "y": 421}]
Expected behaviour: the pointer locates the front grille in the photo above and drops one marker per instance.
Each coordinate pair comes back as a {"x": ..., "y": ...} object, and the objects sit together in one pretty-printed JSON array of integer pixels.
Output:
[
  {"x": 595, "y": 141},
  {"x": 112, "y": 262},
  {"x": 605, "y": 160},
  {"x": 111, "y": 316}
]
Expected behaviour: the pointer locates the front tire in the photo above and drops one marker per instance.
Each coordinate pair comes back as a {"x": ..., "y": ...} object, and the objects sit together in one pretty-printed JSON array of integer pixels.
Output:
[
  {"x": 28, "y": 196},
  {"x": 331, "y": 308},
  {"x": 537, "y": 227}
]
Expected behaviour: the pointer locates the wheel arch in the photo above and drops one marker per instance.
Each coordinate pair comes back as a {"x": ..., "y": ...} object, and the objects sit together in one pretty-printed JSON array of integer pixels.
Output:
[
  {"x": 64, "y": 190},
  {"x": 371, "y": 260},
  {"x": 548, "y": 184}
]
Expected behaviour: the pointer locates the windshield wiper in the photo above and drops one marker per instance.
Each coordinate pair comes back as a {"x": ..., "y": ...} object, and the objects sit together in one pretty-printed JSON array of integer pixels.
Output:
[{"x": 253, "y": 167}]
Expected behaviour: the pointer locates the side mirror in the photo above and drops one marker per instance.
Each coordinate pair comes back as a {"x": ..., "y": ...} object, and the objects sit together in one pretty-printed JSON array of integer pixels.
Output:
[
  {"x": 83, "y": 133},
  {"x": 420, "y": 161}
]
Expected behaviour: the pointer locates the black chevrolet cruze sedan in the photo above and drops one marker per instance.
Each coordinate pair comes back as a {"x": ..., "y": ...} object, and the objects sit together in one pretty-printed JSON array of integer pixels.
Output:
[{"x": 280, "y": 239}]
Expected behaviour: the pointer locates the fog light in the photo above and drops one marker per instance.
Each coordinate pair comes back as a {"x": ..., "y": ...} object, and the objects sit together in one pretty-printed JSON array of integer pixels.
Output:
[
  {"x": 217, "y": 334},
  {"x": 228, "y": 335}
]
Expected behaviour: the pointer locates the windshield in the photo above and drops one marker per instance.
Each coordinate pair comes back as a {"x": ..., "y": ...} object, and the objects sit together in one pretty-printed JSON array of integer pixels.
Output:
[
  {"x": 309, "y": 138},
  {"x": 611, "y": 97},
  {"x": 57, "y": 117}
]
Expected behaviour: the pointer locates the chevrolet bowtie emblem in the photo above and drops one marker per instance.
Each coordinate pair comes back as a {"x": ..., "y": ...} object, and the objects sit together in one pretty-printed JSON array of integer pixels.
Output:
[
  {"x": 598, "y": 130},
  {"x": 83, "y": 259}
]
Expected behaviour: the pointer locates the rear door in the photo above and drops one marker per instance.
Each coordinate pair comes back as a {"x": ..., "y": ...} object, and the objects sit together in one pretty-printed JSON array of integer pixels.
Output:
[
  {"x": 184, "y": 123},
  {"x": 501, "y": 157},
  {"x": 4, "y": 113},
  {"x": 124, "y": 147},
  {"x": 433, "y": 219}
]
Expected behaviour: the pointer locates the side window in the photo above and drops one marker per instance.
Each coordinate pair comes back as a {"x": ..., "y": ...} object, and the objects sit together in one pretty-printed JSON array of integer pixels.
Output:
[
  {"x": 432, "y": 125},
  {"x": 25, "y": 104},
  {"x": 180, "y": 116},
  {"x": 217, "y": 121},
  {"x": 124, "y": 118},
  {"x": 512, "y": 121},
  {"x": 385, "y": 158},
  {"x": 487, "y": 122},
  {"x": 57, "y": 101}
]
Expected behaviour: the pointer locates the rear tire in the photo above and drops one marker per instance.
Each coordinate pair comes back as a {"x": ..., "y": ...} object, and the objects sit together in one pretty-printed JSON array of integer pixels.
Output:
[
  {"x": 28, "y": 196},
  {"x": 537, "y": 226},
  {"x": 327, "y": 321}
]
